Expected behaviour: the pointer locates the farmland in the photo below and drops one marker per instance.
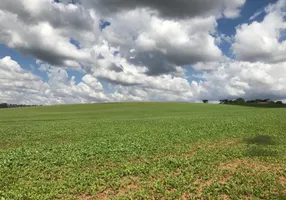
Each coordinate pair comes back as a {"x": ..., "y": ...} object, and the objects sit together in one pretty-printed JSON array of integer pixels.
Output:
[{"x": 143, "y": 151}]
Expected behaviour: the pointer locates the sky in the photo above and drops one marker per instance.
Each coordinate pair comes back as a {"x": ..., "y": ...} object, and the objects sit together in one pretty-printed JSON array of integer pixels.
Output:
[{"x": 86, "y": 51}]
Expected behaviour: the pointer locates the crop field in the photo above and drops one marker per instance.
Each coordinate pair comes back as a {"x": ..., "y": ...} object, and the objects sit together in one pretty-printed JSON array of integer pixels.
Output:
[{"x": 143, "y": 151}]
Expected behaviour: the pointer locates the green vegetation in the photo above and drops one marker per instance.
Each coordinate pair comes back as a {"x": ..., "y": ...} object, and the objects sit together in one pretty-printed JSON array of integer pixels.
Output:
[
  {"x": 143, "y": 151},
  {"x": 241, "y": 101}
]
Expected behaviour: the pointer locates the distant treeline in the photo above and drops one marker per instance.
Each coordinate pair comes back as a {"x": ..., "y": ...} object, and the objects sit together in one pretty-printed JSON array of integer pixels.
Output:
[
  {"x": 241, "y": 101},
  {"x": 6, "y": 105},
  {"x": 256, "y": 101}
]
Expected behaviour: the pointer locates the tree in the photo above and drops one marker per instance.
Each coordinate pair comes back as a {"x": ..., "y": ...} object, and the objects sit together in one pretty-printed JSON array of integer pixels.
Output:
[
  {"x": 3, "y": 105},
  {"x": 240, "y": 101},
  {"x": 205, "y": 101},
  {"x": 231, "y": 102},
  {"x": 279, "y": 102},
  {"x": 224, "y": 101}
]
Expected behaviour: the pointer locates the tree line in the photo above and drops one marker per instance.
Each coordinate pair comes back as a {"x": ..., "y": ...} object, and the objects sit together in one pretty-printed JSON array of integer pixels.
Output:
[
  {"x": 240, "y": 101},
  {"x": 6, "y": 105}
]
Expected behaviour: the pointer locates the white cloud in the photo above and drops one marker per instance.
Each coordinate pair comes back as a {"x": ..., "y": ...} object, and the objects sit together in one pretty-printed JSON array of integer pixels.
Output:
[
  {"x": 244, "y": 79},
  {"x": 261, "y": 41},
  {"x": 256, "y": 14},
  {"x": 142, "y": 55},
  {"x": 162, "y": 44},
  {"x": 16, "y": 84},
  {"x": 230, "y": 79},
  {"x": 171, "y": 9},
  {"x": 40, "y": 40},
  {"x": 21, "y": 86},
  {"x": 43, "y": 30},
  {"x": 232, "y": 8}
]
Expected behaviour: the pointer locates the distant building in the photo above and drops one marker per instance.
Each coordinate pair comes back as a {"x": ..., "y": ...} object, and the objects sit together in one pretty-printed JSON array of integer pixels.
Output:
[{"x": 267, "y": 102}]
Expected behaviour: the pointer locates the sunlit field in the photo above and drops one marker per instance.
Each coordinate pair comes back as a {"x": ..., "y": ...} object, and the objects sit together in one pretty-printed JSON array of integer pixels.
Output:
[{"x": 143, "y": 151}]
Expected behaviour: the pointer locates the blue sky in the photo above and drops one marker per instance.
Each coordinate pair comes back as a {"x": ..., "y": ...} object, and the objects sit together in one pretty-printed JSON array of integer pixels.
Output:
[{"x": 94, "y": 42}]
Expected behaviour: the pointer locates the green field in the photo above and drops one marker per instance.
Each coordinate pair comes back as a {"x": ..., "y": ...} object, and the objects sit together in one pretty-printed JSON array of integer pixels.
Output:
[{"x": 143, "y": 151}]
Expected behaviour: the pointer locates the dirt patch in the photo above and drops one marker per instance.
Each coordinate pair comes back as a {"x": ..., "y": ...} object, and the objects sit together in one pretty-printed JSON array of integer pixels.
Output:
[
  {"x": 194, "y": 148},
  {"x": 220, "y": 144},
  {"x": 102, "y": 196},
  {"x": 246, "y": 197},
  {"x": 200, "y": 184},
  {"x": 224, "y": 180},
  {"x": 208, "y": 182},
  {"x": 85, "y": 197},
  {"x": 211, "y": 145},
  {"x": 232, "y": 165},
  {"x": 129, "y": 185},
  {"x": 250, "y": 164},
  {"x": 225, "y": 197},
  {"x": 63, "y": 139},
  {"x": 190, "y": 154},
  {"x": 185, "y": 196},
  {"x": 106, "y": 194},
  {"x": 171, "y": 191},
  {"x": 283, "y": 180}
]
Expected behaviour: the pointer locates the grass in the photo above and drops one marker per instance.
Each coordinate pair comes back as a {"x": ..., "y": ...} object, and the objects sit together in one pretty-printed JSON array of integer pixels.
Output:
[{"x": 143, "y": 151}]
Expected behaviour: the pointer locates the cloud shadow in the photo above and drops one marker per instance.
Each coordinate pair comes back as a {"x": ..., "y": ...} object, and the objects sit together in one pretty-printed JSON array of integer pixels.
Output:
[{"x": 261, "y": 145}]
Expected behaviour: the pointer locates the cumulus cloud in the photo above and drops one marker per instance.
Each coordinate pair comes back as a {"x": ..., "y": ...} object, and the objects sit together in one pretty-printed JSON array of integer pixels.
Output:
[
  {"x": 171, "y": 9},
  {"x": 160, "y": 44},
  {"x": 17, "y": 84},
  {"x": 244, "y": 79},
  {"x": 142, "y": 54},
  {"x": 35, "y": 11},
  {"x": 35, "y": 33},
  {"x": 21, "y": 86},
  {"x": 229, "y": 79},
  {"x": 261, "y": 41},
  {"x": 44, "y": 30}
]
